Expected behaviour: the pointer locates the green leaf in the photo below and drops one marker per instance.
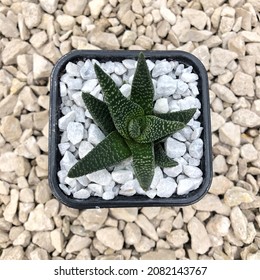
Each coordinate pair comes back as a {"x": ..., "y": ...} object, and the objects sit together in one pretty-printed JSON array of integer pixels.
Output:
[
  {"x": 109, "y": 152},
  {"x": 156, "y": 128},
  {"x": 142, "y": 91},
  {"x": 161, "y": 158},
  {"x": 183, "y": 116},
  {"x": 99, "y": 112},
  {"x": 143, "y": 162},
  {"x": 121, "y": 109}
]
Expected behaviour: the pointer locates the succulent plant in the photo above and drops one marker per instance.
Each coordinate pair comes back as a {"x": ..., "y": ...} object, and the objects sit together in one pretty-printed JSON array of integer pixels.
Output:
[{"x": 131, "y": 126}]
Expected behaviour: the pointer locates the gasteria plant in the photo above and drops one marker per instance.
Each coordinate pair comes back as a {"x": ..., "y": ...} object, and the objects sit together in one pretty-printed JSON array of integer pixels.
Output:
[{"x": 131, "y": 126}]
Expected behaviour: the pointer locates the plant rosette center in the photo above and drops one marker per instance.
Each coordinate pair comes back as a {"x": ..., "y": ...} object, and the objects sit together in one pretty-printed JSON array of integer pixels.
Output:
[{"x": 144, "y": 119}]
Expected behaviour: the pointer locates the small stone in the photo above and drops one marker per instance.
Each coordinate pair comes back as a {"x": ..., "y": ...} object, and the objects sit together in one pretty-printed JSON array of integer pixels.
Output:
[
  {"x": 237, "y": 195},
  {"x": 122, "y": 176},
  {"x": 95, "y": 135},
  {"x": 219, "y": 164},
  {"x": 65, "y": 120},
  {"x": 75, "y": 132},
  {"x": 8, "y": 27},
  {"x": 128, "y": 38},
  {"x": 12, "y": 49},
  {"x": 161, "y": 105},
  {"x": 38, "y": 220},
  {"x": 229, "y": 134},
  {"x": 254, "y": 49},
  {"x": 128, "y": 18},
  {"x": 202, "y": 52},
  {"x": 209, "y": 203},
  {"x": 132, "y": 234},
  {"x": 243, "y": 84},
  {"x": 248, "y": 152},
  {"x": 96, "y": 6},
  {"x": 23, "y": 239},
  {"x": 111, "y": 237},
  {"x": 220, "y": 184},
  {"x": 11, "y": 208},
  {"x": 57, "y": 240},
  {"x": 220, "y": 58},
  {"x": 163, "y": 28},
  {"x": 4, "y": 188},
  {"x": 39, "y": 39},
  {"x": 77, "y": 243},
  {"x": 166, "y": 187},
  {"x": 105, "y": 40},
  {"x": 93, "y": 219},
  {"x": 174, "y": 148},
  {"x": 125, "y": 214},
  {"x": 84, "y": 148},
  {"x": 41, "y": 67},
  {"x": 177, "y": 238},
  {"x": 239, "y": 223},
  {"x": 246, "y": 118},
  {"x": 13, "y": 253},
  {"x": 7, "y": 105},
  {"x": 224, "y": 93},
  {"x": 187, "y": 185},
  {"x": 196, "y": 18},
  {"x": 75, "y": 7},
  {"x": 43, "y": 240},
  {"x": 66, "y": 22},
  {"x": 200, "y": 242},
  {"x": 32, "y": 14},
  {"x": 192, "y": 171},
  {"x": 168, "y": 15},
  {"x": 38, "y": 254},
  {"x": 161, "y": 68},
  {"x": 216, "y": 121},
  {"x": 195, "y": 35},
  {"x": 144, "y": 42},
  {"x": 144, "y": 245},
  {"x": 218, "y": 225},
  {"x": 81, "y": 194},
  {"x": 173, "y": 171},
  {"x": 10, "y": 128},
  {"x": 101, "y": 177},
  {"x": 196, "y": 149},
  {"x": 49, "y": 6}
]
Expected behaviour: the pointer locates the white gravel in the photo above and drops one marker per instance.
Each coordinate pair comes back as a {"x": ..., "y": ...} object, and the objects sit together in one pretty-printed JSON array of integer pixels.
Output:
[{"x": 175, "y": 89}]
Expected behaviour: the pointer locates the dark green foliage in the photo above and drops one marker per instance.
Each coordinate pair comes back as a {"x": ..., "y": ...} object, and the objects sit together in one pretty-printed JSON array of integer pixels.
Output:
[{"x": 131, "y": 126}]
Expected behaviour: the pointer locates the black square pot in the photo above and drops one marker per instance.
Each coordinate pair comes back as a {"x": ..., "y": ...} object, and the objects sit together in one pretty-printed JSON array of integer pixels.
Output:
[{"x": 136, "y": 200}]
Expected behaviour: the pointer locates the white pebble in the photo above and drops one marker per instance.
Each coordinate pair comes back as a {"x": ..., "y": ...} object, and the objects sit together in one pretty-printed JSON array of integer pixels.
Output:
[
  {"x": 83, "y": 180},
  {"x": 129, "y": 63},
  {"x": 62, "y": 174},
  {"x": 79, "y": 113},
  {"x": 161, "y": 68},
  {"x": 65, "y": 120},
  {"x": 182, "y": 87},
  {"x": 72, "y": 69},
  {"x": 196, "y": 149},
  {"x": 166, "y": 86},
  {"x": 101, "y": 177},
  {"x": 194, "y": 161},
  {"x": 74, "y": 84},
  {"x": 108, "y": 67},
  {"x": 122, "y": 176},
  {"x": 118, "y": 81},
  {"x": 108, "y": 195},
  {"x": 173, "y": 171},
  {"x": 77, "y": 98},
  {"x": 63, "y": 89},
  {"x": 168, "y": 15},
  {"x": 166, "y": 187},
  {"x": 87, "y": 71},
  {"x": 174, "y": 148},
  {"x": 68, "y": 161},
  {"x": 161, "y": 105},
  {"x": 196, "y": 133},
  {"x": 96, "y": 188},
  {"x": 119, "y": 69},
  {"x": 84, "y": 148},
  {"x": 95, "y": 135},
  {"x": 75, "y": 132},
  {"x": 129, "y": 188},
  {"x": 189, "y": 77},
  {"x": 89, "y": 85},
  {"x": 187, "y": 185},
  {"x": 192, "y": 171},
  {"x": 158, "y": 175},
  {"x": 126, "y": 90},
  {"x": 151, "y": 193},
  {"x": 82, "y": 194},
  {"x": 63, "y": 147},
  {"x": 65, "y": 189}
]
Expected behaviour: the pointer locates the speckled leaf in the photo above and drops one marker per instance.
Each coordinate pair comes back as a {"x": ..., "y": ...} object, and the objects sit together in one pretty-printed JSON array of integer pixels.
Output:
[
  {"x": 99, "y": 112},
  {"x": 143, "y": 162},
  {"x": 156, "y": 128},
  {"x": 142, "y": 91},
  {"x": 109, "y": 152},
  {"x": 121, "y": 109},
  {"x": 161, "y": 158},
  {"x": 183, "y": 116}
]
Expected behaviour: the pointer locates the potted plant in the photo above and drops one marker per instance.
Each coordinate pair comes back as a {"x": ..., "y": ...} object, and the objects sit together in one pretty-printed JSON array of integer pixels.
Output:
[{"x": 135, "y": 126}]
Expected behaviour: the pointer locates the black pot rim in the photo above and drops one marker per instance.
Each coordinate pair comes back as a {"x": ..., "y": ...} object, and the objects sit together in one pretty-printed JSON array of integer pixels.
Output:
[{"x": 136, "y": 200}]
